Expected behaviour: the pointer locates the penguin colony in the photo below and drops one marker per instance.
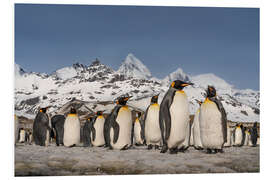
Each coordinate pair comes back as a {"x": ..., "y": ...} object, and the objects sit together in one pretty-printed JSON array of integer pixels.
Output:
[{"x": 165, "y": 127}]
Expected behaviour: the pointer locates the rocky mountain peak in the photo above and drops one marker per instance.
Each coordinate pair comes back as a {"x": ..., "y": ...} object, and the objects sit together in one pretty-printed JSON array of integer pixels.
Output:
[{"x": 133, "y": 67}]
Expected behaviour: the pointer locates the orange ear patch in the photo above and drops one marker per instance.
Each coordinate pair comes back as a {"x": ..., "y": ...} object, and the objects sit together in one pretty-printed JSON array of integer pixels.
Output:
[
  {"x": 40, "y": 110},
  {"x": 173, "y": 83}
]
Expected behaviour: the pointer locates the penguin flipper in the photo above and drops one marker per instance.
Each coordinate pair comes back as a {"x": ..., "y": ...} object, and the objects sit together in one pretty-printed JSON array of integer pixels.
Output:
[
  {"x": 108, "y": 124},
  {"x": 92, "y": 129},
  {"x": 165, "y": 116},
  {"x": 142, "y": 129},
  {"x": 115, "y": 127},
  {"x": 223, "y": 117}
]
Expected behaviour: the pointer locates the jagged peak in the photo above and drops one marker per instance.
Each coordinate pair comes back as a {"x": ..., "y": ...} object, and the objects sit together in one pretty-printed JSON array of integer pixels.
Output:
[
  {"x": 133, "y": 67},
  {"x": 178, "y": 74}
]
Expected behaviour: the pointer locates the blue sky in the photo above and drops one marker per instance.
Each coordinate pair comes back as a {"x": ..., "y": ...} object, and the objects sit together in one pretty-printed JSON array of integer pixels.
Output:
[{"x": 223, "y": 41}]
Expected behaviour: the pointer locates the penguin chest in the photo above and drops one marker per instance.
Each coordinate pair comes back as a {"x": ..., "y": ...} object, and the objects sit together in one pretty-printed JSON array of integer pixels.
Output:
[
  {"x": 211, "y": 125},
  {"x": 179, "y": 119},
  {"x": 124, "y": 121},
  {"x": 22, "y": 136},
  {"x": 71, "y": 130},
  {"x": 247, "y": 137},
  {"x": 238, "y": 136},
  {"x": 152, "y": 128},
  {"x": 99, "y": 125},
  {"x": 137, "y": 132}
]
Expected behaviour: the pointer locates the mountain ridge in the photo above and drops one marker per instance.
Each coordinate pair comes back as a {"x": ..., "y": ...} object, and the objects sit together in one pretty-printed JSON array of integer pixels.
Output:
[{"x": 98, "y": 82}]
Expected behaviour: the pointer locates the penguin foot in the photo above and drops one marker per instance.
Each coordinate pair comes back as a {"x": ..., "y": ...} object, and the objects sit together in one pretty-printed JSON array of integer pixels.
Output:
[
  {"x": 150, "y": 146},
  {"x": 73, "y": 145},
  {"x": 125, "y": 147},
  {"x": 156, "y": 147},
  {"x": 208, "y": 151},
  {"x": 164, "y": 148},
  {"x": 182, "y": 150},
  {"x": 198, "y": 148},
  {"x": 173, "y": 150}
]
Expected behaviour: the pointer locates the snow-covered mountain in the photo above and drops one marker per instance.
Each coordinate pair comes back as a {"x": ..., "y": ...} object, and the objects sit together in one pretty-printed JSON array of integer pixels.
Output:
[
  {"x": 133, "y": 67},
  {"x": 98, "y": 85},
  {"x": 178, "y": 74}
]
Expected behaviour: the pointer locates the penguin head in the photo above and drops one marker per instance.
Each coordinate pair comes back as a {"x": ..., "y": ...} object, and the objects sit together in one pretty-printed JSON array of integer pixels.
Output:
[
  {"x": 154, "y": 99},
  {"x": 73, "y": 110},
  {"x": 99, "y": 113},
  {"x": 139, "y": 114},
  {"x": 211, "y": 91},
  {"x": 43, "y": 110},
  {"x": 179, "y": 85},
  {"x": 123, "y": 100},
  {"x": 89, "y": 119}
]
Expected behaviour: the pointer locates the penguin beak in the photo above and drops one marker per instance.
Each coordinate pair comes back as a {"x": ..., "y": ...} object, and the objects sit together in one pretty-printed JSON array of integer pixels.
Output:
[
  {"x": 127, "y": 98},
  {"x": 187, "y": 84}
]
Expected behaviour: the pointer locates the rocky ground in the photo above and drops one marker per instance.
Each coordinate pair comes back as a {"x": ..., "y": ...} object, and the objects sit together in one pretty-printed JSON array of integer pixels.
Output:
[{"x": 32, "y": 160}]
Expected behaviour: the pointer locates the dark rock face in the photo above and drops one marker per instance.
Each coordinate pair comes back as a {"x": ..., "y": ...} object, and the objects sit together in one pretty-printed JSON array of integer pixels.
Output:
[
  {"x": 244, "y": 112},
  {"x": 31, "y": 101}
]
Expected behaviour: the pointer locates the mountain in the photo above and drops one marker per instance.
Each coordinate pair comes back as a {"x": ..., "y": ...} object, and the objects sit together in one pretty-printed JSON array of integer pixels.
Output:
[
  {"x": 176, "y": 75},
  {"x": 133, "y": 67},
  {"x": 18, "y": 70},
  {"x": 95, "y": 87}
]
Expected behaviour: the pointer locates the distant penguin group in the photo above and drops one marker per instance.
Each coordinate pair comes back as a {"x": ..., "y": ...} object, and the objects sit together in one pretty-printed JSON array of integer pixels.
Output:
[{"x": 166, "y": 126}]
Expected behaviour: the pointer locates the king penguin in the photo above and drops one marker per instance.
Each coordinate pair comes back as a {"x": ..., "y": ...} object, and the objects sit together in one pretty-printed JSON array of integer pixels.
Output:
[
  {"x": 152, "y": 128},
  {"x": 72, "y": 129},
  {"x": 97, "y": 135},
  {"x": 213, "y": 122},
  {"x": 238, "y": 135},
  {"x": 120, "y": 125},
  {"x": 58, "y": 122},
  {"x": 41, "y": 128},
  {"x": 138, "y": 130},
  {"x": 196, "y": 129},
  {"x": 86, "y": 137},
  {"x": 174, "y": 116}
]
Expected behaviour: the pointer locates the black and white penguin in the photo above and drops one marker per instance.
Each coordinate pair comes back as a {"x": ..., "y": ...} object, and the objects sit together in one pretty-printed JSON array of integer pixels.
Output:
[
  {"x": 97, "y": 130},
  {"x": 41, "y": 128},
  {"x": 58, "y": 122},
  {"x": 120, "y": 125},
  {"x": 238, "y": 135},
  {"x": 151, "y": 120},
  {"x": 21, "y": 135},
  {"x": 197, "y": 143},
  {"x": 138, "y": 130},
  {"x": 254, "y": 134},
  {"x": 72, "y": 129},
  {"x": 86, "y": 139},
  {"x": 213, "y": 122},
  {"x": 174, "y": 116}
]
